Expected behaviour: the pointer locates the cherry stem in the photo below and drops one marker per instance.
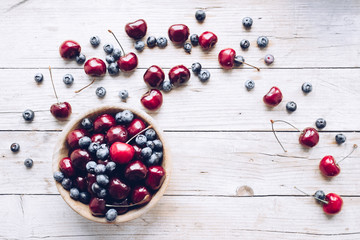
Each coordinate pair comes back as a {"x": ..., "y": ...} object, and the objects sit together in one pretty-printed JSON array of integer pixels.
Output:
[
  {"x": 52, "y": 82},
  {"x": 138, "y": 134},
  {"x": 117, "y": 41},
  {"x": 251, "y": 66},
  {"x": 323, "y": 201},
  {"x": 354, "y": 147},
  {"x": 130, "y": 205},
  {"x": 273, "y": 130},
  {"x": 77, "y": 91}
]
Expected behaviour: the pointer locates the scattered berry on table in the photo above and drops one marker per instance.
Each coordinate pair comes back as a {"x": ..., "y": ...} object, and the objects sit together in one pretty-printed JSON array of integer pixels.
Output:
[
  {"x": 111, "y": 215},
  {"x": 110, "y": 167},
  {"x": 269, "y": 59},
  {"x": 187, "y": 47},
  {"x": 161, "y": 42},
  {"x": 102, "y": 180},
  {"x": 123, "y": 94},
  {"x": 340, "y": 138},
  {"x": 319, "y": 194},
  {"x": 196, "y": 67},
  {"x": 86, "y": 123},
  {"x": 158, "y": 145},
  {"x": 194, "y": 39},
  {"x": 152, "y": 160},
  {"x": 249, "y": 84},
  {"x": 204, "y": 75},
  {"x": 320, "y": 123},
  {"x": 262, "y": 41},
  {"x": 244, "y": 44},
  {"x": 116, "y": 53},
  {"x": 100, "y": 168},
  {"x": 124, "y": 117},
  {"x": 94, "y": 146},
  {"x": 100, "y": 92},
  {"x": 150, "y": 134},
  {"x": 291, "y": 106},
  {"x": 247, "y": 22},
  {"x": 58, "y": 176},
  {"x": 15, "y": 147},
  {"x": 74, "y": 193},
  {"x": 108, "y": 48},
  {"x": 84, "y": 142},
  {"x": 141, "y": 140},
  {"x": 90, "y": 167},
  {"x": 66, "y": 183},
  {"x": 166, "y": 86},
  {"x": 102, "y": 153},
  {"x": 139, "y": 45},
  {"x": 28, "y": 115},
  {"x": 68, "y": 79},
  {"x": 84, "y": 197},
  {"x": 151, "y": 41},
  {"x": 80, "y": 59},
  {"x": 200, "y": 15},
  {"x": 38, "y": 77},
  {"x": 109, "y": 59},
  {"x": 146, "y": 152},
  {"x": 95, "y": 41},
  {"x": 113, "y": 68},
  {"x": 306, "y": 87},
  {"x": 239, "y": 60}
]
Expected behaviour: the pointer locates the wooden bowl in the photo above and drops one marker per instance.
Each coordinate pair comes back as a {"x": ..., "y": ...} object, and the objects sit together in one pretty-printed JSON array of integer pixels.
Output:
[{"x": 61, "y": 151}]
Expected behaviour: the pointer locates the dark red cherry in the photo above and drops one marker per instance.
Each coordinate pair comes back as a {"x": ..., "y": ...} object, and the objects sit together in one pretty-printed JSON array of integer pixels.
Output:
[
  {"x": 98, "y": 137},
  {"x": 80, "y": 158},
  {"x": 226, "y": 58},
  {"x": 118, "y": 189},
  {"x": 137, "y": 29},
  {"x": 334, "y": 203},
  {"x": 81, "y": 183},
  {"x": 95, "y": 67},
  {"x": 139, "y": 193},
  {"x": 154, "y": 76},
  {"x": 73, "y": 137},
  {"x": 135, "y": 127},
  {"x": 135, "y": 171},
  {"x": 155, "y": 177},
  {"x": 273, "y": 97},
  {"x": 309, "y": 137},
  {"x": 328, "y": 166},
  {"x": 103, "y": 123},
  {"x": 66, "y": 167},
  {"x": 69, "y": 49},
  {"x": 137, "y": 149},
  {"x": 97, "y": 207},
  {"x": 61, "y": 110},
  {"x": 178, "y": 33},
  {"x": 116, "y": 134},
  {"x": 152, "y": 99},
  {"x": 122, "y": 210},
  {"x": 207, "y": 40},
  {"x": 128, "y": 62},
  {"x": 90, "y": 179},
  {"x": 121, "y": 153},
  {"x": 179, "y": 74}
]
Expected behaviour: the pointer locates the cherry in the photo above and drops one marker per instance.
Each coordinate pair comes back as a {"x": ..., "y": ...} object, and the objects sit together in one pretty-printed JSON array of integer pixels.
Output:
[
  {"x": 135, "y": 127},
  {"x": 97, "y": 207},
  {"x": 179, "y": 74},
  {"x": 99, "y": 138},
  {"x": 329, "y": 167},
  {"x": 155, "y": 177},
  {"x": 137, "y": 151},
  {"x": 74, "y": 136},
  {"x": 154, "y": 76},
  {"x": 69, "y": 49},
  {"x": 118, "y": 189},
  {"x": 178, "y": 33},
  {"x": 121, "y": 206},
  {"x": 137, "y": 29},
  {"x": 103, "y": 123},
  {"x": 90, "y": 179},
  {"x": 333, "y": 205},
  {"x": 226, "y": 58},
  {"x": 207, "y": 40},
  {"x": 152, "y": 99},
  {"x": 81, "y": 183},
  {"x": 116, "y": 134},
  {"x": 80, "y": 158},
  {"x": 273, "y": 97},
  {"x": 135, "y": 171},
  {"x": 139, "y": 194},
  {"x": 95, "y": 67},
  {"x": 60, "y": 110},
  {"x": 121, "y": 153},
  {"x": 66, "y": 167}
]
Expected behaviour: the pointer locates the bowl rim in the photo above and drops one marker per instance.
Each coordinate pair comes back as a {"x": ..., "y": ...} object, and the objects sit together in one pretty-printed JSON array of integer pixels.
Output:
[{"x": 83, "y": 209}]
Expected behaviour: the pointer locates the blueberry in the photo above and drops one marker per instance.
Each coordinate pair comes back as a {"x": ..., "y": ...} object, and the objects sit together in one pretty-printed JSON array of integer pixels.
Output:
[
  {"x": 124, "y": 117},
  {"x": 66, "y": 183},
  {"x": 139, "y": 45},
  {"x": 111, "y": 215},
  {"x": 108, "y": 48},
  {"x": 200, "y": 15},
  {"x": 247, "y": 22},
  {"x": 116, "y": 54},
  {"x": 204, "y": 75},
  {"x": 146, "y": 152},
  {"x": 102, "y": 193},
  {"x": 93, "y": 147},
  {"x": 340, "y": 138},
  {"x": 141, "y": 140},
  {"x": 68, "y": 79},
  {"x": 84, "y": 197},
  {"x": 87, "y": 124},
  {"x": 102, "y": 180},
  {"x": 291, "y": 106},
  {"x": 58, "y": 176},
  {"x": 166, "y": 86},
  {"x": 110, "y": 167},
  {"x": 100, "y": 168},
  {"x": 158, "y": 145},
  {"x": 239, "y": 60},
  {"x": 153, "y": 160},
  {"x": 306, "y": 87},
  {"x": 150, "y": 134},
  {"x": 319, "y": 194},
  {"x": 196, "y": 67},
  {"x": 90, "y": 166},
  {"x": 320, "y": 123},
  {"x": 28, "y": 115},
  {"x": 194, "y": 39},
  {"x": 28, "y": 163},
  {"x": 102, "y": 153},
  {"x": 262, "y": 41},
  {"x": 123, "y": 94},
  {"x": 74, "y": 193},
  {"x": 39, "y": 77},
  {"x": 161, "y": 42},
  {"x": 84, "y": 142},
  {"x": 244, "y": 44},
  {"x": 110, "y": 59},
  {"x": 151, "y": 42},
  {"x": 95, "y": 187},
  {"x": 113, "y": 68},
  {"x": 159, "y": 154},
  {"x": 269, "y": 59},
  {"x": 187, "y": 47},
  {"x": 150, "y": 144},
  {"x": 249, "y": 84},
  {"x": 100, "y": 92},
  {"x": 80, "y": 59},
  {"x": 15, "y": 147},
  {"x": 95, "y": 41}
]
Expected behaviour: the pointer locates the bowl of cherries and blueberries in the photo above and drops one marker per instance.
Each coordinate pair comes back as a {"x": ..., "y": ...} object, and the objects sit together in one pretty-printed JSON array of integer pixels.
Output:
[{"x": 111, "y": 164}]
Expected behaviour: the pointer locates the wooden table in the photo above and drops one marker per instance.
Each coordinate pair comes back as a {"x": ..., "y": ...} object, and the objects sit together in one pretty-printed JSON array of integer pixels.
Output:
[{"x": 231, "y": 180}]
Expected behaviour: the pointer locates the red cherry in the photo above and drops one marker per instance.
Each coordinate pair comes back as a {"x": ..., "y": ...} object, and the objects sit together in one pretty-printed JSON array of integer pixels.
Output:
[
  {"x": 99, "y": 138},
  {"x": 97, "y": 207},
  {"x": 178, "y": 33},
  {"x": 155, "y": 177},
  {"x": 135, "y": 127},
  {"x": 95, "y": 67},
  {"x": 128, "y": 62},
  {"x": 80, "y": 158},
  {"x": 334, "y": 203},
  {"x": 121, "y": 153},
  {"x": 179, "y": 74},
  {"x": 207, "y": 40},
  {"x": 116, "y": 134},
  {"x": 328, "y": 166},
  {"x": 73, "y": 137},
  {"x": 273, "y": 97},
  {"x": 103, "y": 123},
  {"x": 135, "y": 171},
  {"x": 61, "y": 110},
  {"x": 90, "y": 179},
  {"x": 121, "y": 210},
  {"x": 152, "y": 99},
  {"x": 226, "y": 58},
  {"x": 309, "y": 137},
  {"x": 69, "y": 49},
  {"x": 137, "y": 29},
  {"x": 118, "y": 189},
  {"x": 154, "y": 76},
  {"x": 66, "y": 167},
  {"x": 81, "y": 183},
  {"x": 139, "y": 193},
  {"x": 137, "y": 151}
]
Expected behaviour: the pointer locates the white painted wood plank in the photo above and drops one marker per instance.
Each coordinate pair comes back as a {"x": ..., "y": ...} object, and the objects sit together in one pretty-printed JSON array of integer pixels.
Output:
[
  {"x": 221, "y": 104},
  {"x": 204, "y": 164},
  {"x": 302, "y": 33}
]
